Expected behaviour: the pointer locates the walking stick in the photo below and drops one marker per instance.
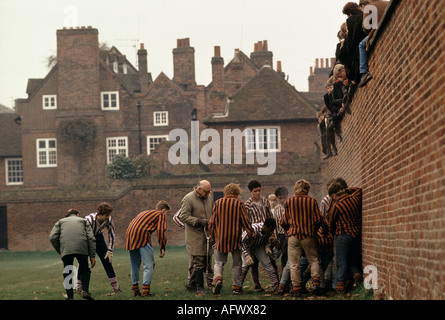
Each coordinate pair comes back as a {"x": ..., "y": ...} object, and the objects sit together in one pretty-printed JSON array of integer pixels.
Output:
[{"x": 206, "y": 232}]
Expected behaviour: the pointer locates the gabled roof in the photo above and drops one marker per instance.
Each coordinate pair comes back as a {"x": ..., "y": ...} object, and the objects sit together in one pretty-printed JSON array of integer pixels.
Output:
[
  {"x": 162, "y": 78},
  {"x": 267, "y": 97}
]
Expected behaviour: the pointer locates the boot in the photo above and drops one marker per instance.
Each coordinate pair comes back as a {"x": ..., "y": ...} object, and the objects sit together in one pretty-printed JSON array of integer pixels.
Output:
[
  {"x": 199, "y": 276},
  {"x": 85, "y": 278}
]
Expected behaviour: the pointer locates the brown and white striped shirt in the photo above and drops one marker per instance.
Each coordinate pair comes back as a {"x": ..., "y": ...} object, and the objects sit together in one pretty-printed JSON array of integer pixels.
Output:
[
  {"x": 345, "y": 215},
  {"x": 302, "y": 216},
  {"x": 225, "y": 226},
  {"x": 142, "y": 226},
  {"x": 259, "y": 211}
]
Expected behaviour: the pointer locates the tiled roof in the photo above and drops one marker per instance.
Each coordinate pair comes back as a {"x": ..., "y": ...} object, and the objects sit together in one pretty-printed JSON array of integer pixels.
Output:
[{"x": 266, "y": 97}]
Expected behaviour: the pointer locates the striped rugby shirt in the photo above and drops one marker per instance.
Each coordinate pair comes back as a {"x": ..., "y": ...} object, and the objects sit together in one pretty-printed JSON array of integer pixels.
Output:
[
  {"x": 99, "y": 228},
  {"x": 142, "y": 226},
  {"x": 346, "y": 213},
  {"x": 302, "y": 215},
  {"x": 225, "y": 226},
  {"x": 258, "y": 211},
  {"x": 177, "y": 220},
  {"x": 325, "y": 242},
  {"x": 278, "y": 215}
]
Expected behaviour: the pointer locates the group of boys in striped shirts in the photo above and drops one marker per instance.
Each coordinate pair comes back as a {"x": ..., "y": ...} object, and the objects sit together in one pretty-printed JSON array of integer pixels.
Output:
[
  {"x": 255, "y": 232},
  {"x": 326, "y": 238}
]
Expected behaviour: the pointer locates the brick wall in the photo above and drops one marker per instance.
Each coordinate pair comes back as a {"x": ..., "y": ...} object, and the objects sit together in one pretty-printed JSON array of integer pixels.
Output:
[{"x": 394, "y": 148}]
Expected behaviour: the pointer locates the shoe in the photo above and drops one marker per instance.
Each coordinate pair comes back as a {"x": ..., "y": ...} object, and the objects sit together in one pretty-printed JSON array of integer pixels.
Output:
[
  {"x": 365, "y": 79},
  {"x": 237, "y": 292},
  {"x": 258, "y": 288},
  {"x": 327, "y": 156},
  {"x": 340, "y": 138},
  {"x": 87, "y": 296},
  {"x": 217, "y": 288},
  {"x": 200, "y": 292},
  {"x": 357, "y": 279}
]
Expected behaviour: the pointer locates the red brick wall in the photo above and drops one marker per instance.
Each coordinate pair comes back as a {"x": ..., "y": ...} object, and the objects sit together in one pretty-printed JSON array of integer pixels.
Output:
[{"x": 394, "y": 148}]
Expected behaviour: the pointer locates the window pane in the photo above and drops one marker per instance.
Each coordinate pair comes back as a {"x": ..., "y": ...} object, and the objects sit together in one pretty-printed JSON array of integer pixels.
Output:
[
  {"x": 273, "y": 139},
  {"x": 106, "y": 101},
  {"x": 42, "y": 157},
  {"x": 52, "y": 143},
  {"x": 42, "y": 144},
  {"x": 262, "y": 142},
  {"x": 52, "y": 155}
]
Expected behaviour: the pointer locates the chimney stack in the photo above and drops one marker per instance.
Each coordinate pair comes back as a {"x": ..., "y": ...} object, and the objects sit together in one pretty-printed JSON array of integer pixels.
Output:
[
  {"x": 143, "y": 67},
  {"x": 261, "y": 55},
  {"x": 184, "y": 64}
]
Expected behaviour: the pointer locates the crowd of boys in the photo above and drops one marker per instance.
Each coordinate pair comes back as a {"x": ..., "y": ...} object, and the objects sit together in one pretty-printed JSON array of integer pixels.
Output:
[
  {"x": 350, "y": 70},
  {"x": 294, "y": 238}
]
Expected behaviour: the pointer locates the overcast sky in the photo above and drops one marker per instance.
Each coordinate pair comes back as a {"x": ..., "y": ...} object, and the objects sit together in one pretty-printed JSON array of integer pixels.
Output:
[{"x": 297, "y": 31}]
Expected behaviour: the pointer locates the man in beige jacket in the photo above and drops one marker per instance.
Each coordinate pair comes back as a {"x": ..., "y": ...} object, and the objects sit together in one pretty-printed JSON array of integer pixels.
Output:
[{"x": 196, "y": 210}]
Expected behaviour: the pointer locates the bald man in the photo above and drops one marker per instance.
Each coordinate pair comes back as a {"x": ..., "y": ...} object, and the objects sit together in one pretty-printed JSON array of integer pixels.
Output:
[{"x": 196, "y": 210}]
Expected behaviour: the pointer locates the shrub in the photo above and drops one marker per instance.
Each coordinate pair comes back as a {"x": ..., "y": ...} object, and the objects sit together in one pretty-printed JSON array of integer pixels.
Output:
[{"x": 128, "y": 168}]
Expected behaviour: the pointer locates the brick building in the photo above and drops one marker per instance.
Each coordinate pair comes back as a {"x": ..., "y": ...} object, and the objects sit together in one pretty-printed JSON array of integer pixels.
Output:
[{"x": 94, "y": 104}]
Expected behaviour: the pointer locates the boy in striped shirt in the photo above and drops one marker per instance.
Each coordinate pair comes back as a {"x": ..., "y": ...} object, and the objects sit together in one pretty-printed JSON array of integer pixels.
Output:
[
  {"x": 258, "y": 210},
  {"x": 225, "y": 227},
  {"x": 345, "y": 216},
  {"x": 99, "y": 222},
  {"x": 138, "y": 242},
  {"x": 302, "y": 219}
]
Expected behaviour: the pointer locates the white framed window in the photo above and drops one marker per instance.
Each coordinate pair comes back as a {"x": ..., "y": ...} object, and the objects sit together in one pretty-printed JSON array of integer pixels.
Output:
[
  {"x": 46, "y": 153},
  {"x": 109, "y": 100},
  {"x": 14, "y": 171},
  {"x": 116, "y": 146},
  {"x": 154, "y": 141},
  {"x": 49, "y": 101},
  {"x": 160, "y": 118},
  {"x": 263, "y": 139}
]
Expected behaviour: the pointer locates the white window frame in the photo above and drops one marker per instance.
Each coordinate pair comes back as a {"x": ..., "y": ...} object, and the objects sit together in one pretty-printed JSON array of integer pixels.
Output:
[
  {"x": 149, "y": 150},
  {"x": 162, "y": 121},
  {"x": 20, "y": 172},
  {"x": 108, "y": 94},
  {"x": 116, "y": 147},
  {"x": 47, "y": 104},
  {"x": 252, "y": 145},
  {"x": 49, "y": 152}
]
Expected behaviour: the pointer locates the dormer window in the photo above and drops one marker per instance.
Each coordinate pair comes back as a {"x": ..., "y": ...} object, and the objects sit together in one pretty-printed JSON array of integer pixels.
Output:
[{"x": 115, "y": 67}]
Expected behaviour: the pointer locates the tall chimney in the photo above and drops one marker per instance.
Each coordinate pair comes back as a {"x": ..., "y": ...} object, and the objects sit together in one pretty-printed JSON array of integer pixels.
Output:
[
  {"x": 143, "y": 67},
  {"x": 184, "y": 64},
  {"x": 218, "y": 70},
  {"x": 261, "y": 55},
  {"x": 218, "y": 97}
]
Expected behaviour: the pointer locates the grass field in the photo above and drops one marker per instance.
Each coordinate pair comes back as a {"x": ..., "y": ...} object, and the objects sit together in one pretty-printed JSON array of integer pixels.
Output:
[{"x": 38, "y": 276}]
